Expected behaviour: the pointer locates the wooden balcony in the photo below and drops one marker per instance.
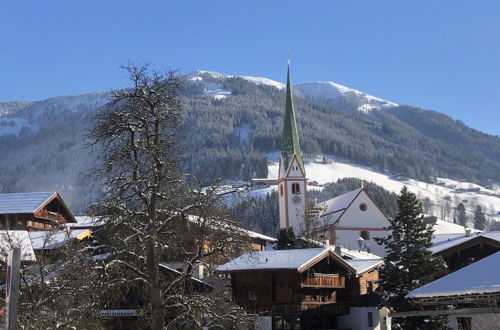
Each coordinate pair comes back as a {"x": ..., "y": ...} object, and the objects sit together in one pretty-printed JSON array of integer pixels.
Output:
[
  {"x": 324, "y": 281},
  {"x": 53, "y": 216},
  {"x": 320, "y": 308}
]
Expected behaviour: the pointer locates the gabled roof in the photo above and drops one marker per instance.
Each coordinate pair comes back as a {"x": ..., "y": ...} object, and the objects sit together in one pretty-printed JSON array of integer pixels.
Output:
[
  {"x": 335, "y": 207},
  {"x": 23, "y": 202},
  {"x": 229, "y": 227},
  {"x": 32, "y": 202},
  {"x": 16, "y": 238},
  {"x": 364, "y": 265},
  {"x": 295, "y": 259},
  {"x": 444, "y": 242},
  {"x": 477, "y": 278}
]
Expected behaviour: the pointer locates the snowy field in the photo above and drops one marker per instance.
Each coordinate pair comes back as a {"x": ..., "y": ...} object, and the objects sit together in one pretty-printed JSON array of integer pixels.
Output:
[{"x": 454, "y": 191}]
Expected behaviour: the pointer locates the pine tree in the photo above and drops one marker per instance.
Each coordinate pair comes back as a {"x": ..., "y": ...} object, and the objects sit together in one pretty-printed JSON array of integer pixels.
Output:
[
  {"x": 286, "y": 239},
  {"x": 409, "y": 264},
  {"x": 479, "y": 219},
  {"x": 461, "y": 217}
]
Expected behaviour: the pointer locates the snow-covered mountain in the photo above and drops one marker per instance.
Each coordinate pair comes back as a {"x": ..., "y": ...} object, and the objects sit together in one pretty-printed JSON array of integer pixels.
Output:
[
  {"x": 323, "y": 91},
  {"x": 16, "y": 117}
]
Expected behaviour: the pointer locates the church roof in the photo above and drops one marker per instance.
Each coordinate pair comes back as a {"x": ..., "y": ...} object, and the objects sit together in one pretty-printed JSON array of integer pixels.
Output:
[
  {"x": 290, "y": 143},
  {"x": 335, "y": 207}
]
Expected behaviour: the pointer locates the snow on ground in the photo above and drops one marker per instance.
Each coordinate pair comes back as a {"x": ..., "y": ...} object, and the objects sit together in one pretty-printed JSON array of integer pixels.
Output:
[
  {"x": 214, "y": 90},
  {"x": 329, "y": 90},
  {"x": 321, "y": 90},
  {"x": 264, "y": 81},
  {"x": 326, "y": 173}
]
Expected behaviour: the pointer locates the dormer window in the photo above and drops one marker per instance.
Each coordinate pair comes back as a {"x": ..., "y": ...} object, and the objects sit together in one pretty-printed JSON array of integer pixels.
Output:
[{"x": 295, "y": 188}]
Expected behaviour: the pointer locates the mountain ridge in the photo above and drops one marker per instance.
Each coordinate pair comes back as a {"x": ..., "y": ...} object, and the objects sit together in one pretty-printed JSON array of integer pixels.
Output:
[{"x": 236, "y": 123}]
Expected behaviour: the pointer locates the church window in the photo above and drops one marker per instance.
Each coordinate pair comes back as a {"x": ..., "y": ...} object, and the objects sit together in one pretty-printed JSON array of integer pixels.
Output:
[
  {"x": 365, "y": 234},
  {"x": 295, "y": 188},
  {"x": 281, "y": 190},
  {"x": 363, "y": 206}
]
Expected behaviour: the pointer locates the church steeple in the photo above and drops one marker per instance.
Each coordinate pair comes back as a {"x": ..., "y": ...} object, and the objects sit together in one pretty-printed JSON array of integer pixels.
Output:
[
  {"x": 292, "y": 181},
  {"x": 290, "y": 143}
]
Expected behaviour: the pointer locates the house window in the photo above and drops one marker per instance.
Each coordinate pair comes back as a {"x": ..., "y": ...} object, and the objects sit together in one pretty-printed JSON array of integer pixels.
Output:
[
  {"x": 295, "y": 188},
  {"x": 281, "y": 190},
  {"x": 464, "y": 323},
  {"x": 369, "y": 286},
  {"x": 365, "y": 234},
  {"x": 370, "y": 319},
  {"x": 363, "y": 207}
]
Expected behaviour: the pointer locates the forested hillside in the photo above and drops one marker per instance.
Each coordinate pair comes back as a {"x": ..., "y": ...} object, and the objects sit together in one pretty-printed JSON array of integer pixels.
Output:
[{"x": 229, "y": 125}]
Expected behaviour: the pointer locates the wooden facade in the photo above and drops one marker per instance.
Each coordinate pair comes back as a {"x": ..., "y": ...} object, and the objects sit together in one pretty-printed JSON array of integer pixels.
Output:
[
  {"x": 52, "y": 213},
  {"x": 310, "y": 299},
  {"x": 470, "y": 251}
]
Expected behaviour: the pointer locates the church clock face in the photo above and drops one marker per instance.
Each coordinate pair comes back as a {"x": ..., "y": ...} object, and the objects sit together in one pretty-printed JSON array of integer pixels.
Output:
[{"x": 296, "y": 199}]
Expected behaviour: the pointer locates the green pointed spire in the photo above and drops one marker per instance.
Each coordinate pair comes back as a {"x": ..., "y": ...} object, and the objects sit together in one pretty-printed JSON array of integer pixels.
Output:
[{"x": 290, "y": 144}]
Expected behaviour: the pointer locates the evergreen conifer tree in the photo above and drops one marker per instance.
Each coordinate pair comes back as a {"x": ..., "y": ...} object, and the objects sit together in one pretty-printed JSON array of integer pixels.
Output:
[
  {"x": 286, "y": 239},
  {"x": 409, "y": 263},
  {"x": 461, "y": 216},
  {"x": 479, "y": 219}
]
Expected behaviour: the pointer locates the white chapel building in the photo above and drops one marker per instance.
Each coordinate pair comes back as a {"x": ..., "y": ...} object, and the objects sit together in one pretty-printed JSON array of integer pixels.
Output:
[{"x": 351, "y": 220}]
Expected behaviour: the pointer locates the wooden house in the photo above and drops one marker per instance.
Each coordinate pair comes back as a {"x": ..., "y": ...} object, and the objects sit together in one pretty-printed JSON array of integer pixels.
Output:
[
  {"x": 305, "y": 288},
  {"x": 460, "y": 250},
  {"x": 468, "y": 297},
  {"x": 34, "y": 211}
]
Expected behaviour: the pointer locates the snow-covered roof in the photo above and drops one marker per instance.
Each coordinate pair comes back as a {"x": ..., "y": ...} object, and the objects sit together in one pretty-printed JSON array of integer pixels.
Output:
[
  {"x": 363, "y": 265},
  {"x": 294, "y": 259},
  {"x": 23, "y": 202},
  {"x": 249, "y": 233},
  {"x": 477, "y": 278},
  {"x": 443, "y": 242},
  {"x": 333, "y": 208},
  {"x": 83, "y": 221},
  {"x": 46, "y": 240},
  {"x": 16, "y": 238}
]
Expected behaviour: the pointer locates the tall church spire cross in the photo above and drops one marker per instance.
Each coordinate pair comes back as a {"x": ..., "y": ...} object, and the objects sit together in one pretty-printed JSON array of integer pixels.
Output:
[{"x": 290, "y": 143}]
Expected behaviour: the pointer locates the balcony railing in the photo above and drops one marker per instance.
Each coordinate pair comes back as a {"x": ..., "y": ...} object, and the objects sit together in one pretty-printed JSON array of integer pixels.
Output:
[
  {"x": 310, "y": 308},
  {"x": 324, "y": 281},
  {"x": 51, "y": 216}
]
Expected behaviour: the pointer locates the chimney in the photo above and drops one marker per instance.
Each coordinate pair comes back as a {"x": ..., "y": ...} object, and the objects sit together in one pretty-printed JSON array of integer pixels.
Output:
[
  {"x": 326, "y": 242},
  {"x": 467, "y": 232}
]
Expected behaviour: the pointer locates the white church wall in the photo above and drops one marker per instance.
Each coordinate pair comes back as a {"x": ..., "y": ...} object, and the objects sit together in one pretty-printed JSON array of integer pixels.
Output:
[
  {"x": 357, "y": 219},
  {"x": 372, "y": 217}
]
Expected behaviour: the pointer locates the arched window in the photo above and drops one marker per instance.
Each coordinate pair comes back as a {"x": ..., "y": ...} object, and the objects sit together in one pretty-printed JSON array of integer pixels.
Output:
[{"x": 295, "y": 188}]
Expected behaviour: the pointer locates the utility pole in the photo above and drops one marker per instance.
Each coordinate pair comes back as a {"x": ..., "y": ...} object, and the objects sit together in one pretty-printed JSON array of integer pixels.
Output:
[{"x": 12, "y": 288}]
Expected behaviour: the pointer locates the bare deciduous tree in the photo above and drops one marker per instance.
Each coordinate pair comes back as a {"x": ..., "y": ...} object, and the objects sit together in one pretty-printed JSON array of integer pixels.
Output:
[{"x": 152, "y": 215}]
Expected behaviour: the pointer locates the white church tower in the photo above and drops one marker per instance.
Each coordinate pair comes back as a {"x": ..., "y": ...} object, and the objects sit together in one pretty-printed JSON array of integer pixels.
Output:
[{"x": 292, "y": 182}]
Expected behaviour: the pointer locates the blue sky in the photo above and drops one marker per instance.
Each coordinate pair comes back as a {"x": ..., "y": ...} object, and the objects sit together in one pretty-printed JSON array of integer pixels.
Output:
[{"x": 438, "y": 55}]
